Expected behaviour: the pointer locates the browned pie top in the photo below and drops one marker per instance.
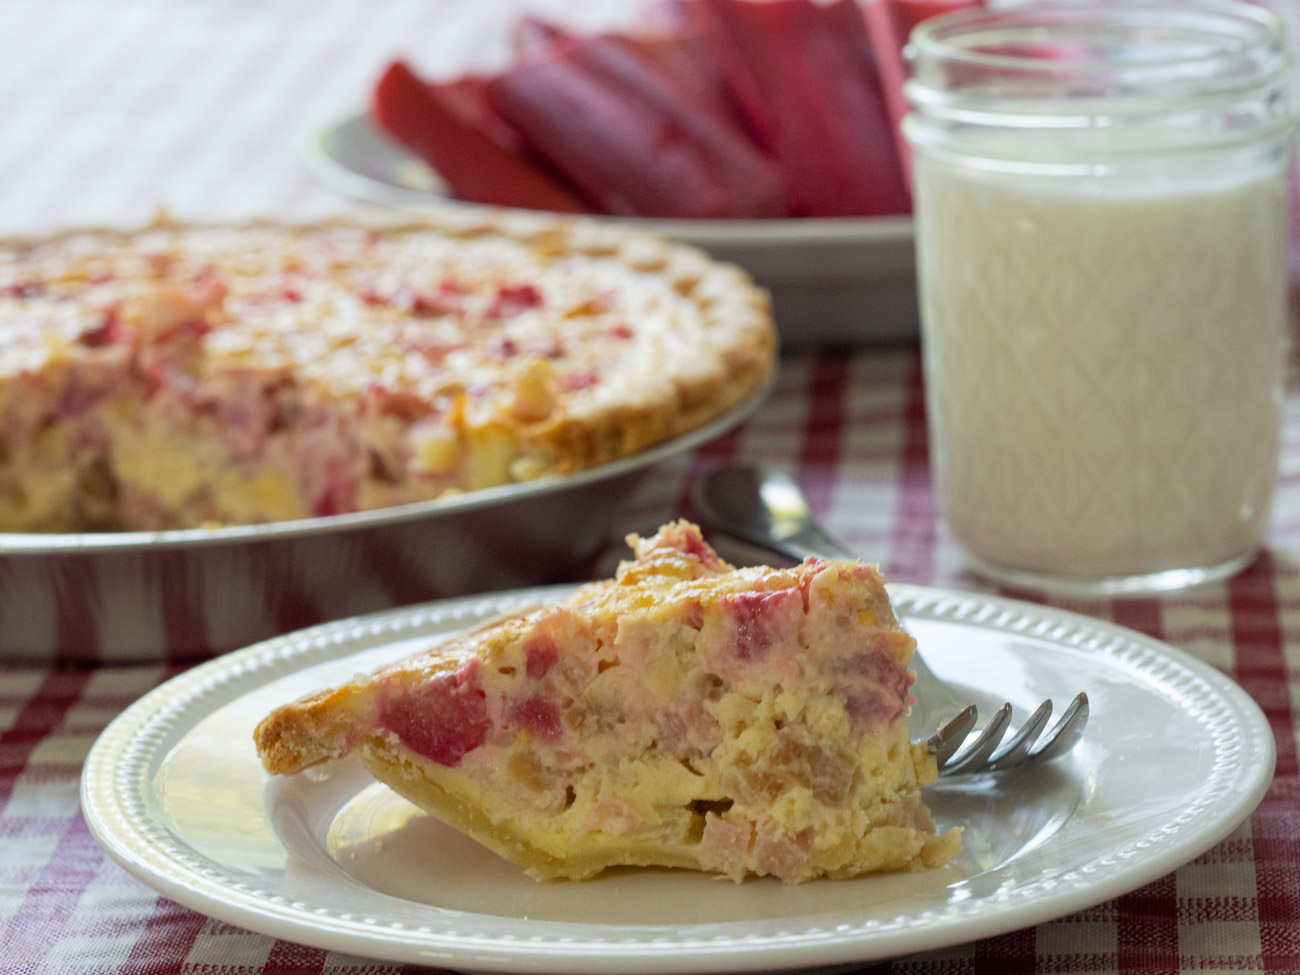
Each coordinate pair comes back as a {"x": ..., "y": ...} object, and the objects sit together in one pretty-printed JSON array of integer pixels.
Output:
[{"x": 585, "y": 320}]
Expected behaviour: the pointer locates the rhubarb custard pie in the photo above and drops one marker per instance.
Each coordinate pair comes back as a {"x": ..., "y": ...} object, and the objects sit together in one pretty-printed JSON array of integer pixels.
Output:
[
  {"x": 178, "y": 377},
  {"x": 683, "y": 714}
]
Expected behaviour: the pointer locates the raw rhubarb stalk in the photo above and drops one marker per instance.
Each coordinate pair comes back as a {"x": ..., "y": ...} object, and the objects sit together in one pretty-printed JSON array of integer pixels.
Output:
[
  {"x": 621, "y": 131},
  {"x": 467, "y": 98},
  {"x": 850, "y": 25},
  {"x": 676, "y": 48},
  {"x": 889, "y": 23},
  {"x": 846, "y": 17},
  {"x": 534, "y": 38},
  {"x": 475, "y": 166},
  {"x": 673, "y": 17},
  {"x": 803, "y": 94},
  {"x": 689, "y": 60}
]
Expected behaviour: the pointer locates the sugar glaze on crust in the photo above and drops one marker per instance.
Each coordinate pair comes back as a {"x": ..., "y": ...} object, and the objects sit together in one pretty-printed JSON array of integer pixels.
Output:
[
  {"x": 181, "y": 375},
  {"x": 684, "y": 714}
]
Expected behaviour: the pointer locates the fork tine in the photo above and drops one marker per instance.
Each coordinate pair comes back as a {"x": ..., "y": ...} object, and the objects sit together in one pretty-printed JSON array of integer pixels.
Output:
[
  {"x": 1017, "y": 749},
  {"x": 1067, "y": 732},
  {"x": 984, "y": 745},
  {"x": 944, "y": 742}
]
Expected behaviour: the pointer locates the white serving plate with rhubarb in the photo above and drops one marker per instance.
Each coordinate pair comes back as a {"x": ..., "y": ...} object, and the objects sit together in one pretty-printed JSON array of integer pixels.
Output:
[{"x": 766, "y": 133}]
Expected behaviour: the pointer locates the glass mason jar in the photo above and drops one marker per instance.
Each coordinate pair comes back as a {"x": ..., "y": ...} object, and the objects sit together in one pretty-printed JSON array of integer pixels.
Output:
[{"x": 1101, "y": 219}]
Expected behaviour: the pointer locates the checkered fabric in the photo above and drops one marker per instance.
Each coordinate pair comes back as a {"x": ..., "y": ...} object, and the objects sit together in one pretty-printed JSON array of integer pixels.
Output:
[{"x": 110, "y": 109}]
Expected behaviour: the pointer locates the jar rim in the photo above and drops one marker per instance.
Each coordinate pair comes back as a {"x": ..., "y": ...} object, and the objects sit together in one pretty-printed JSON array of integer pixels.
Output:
[
  {"x": 932, "y": 38},
  {"x": 1109, "y": 79}
]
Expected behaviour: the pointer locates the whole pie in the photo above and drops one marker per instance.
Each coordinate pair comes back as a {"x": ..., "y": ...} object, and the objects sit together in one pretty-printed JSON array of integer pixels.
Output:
[
  {"x": 180, "y": 376},
  {"x": 684, "y": 714}
]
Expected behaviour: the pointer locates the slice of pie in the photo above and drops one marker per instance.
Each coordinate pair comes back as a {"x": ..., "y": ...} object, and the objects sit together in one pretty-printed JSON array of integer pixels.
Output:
[{"x": 683, "y": 714}]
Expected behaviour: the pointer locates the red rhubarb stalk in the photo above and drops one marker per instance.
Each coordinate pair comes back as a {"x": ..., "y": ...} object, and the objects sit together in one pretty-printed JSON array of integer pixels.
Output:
[
  {"x": 623, "y": 133},
  {"x": 466, "y": 97},
  {"x": 889, "y": 23},
  {"x": 802, "y": 91},
  {"x": 475, "y": 167},
  {"x": 689, "y": 60},
  {"x": 672, "y": 42},
  {"x": 534, "y": 38},
  {"x": 847, "y": 19}
]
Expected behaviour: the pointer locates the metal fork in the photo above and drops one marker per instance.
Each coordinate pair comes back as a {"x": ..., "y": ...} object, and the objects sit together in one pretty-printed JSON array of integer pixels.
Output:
[{"x": 764, "y": 506}]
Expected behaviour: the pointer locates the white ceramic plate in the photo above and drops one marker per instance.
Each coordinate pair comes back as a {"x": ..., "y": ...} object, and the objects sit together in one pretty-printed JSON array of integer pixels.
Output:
[
  {"x": 842, "y": 279},
  {"x": 1176, "y": 755}
]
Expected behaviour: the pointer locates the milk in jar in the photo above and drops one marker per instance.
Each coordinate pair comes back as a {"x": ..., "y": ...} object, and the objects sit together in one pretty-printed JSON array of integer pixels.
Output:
[
  {"x": 1103, "y": 370},
  {"x": 1100, "y": 219}
]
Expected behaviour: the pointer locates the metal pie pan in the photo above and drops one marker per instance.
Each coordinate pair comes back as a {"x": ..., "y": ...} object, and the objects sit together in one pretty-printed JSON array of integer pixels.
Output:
[{"x": 186, "y": 595}]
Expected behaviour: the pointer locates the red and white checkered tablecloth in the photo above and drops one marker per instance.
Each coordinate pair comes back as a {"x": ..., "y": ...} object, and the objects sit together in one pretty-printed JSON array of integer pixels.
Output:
[{"x": 108, "y": 110}]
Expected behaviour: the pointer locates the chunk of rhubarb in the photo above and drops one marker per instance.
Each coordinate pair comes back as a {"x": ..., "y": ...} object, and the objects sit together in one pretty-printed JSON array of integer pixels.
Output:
[
  {"x": 443, "y": 719},
  {"x": 623, "y": 133},
  {"x": 475, "y": 167},
  {"x": 803, "y": 95}
]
